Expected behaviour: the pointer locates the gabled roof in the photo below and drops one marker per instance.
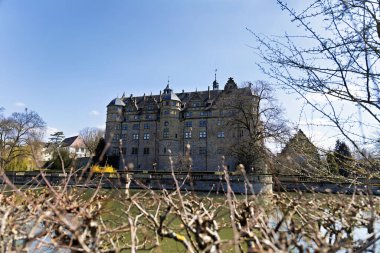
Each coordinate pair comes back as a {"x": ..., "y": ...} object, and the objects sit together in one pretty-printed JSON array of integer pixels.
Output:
[{"x": 68, "y": 141}]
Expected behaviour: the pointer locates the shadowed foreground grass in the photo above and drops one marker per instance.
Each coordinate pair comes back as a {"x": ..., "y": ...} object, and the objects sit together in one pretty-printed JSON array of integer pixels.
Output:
[{"x": 98, "y": 220}]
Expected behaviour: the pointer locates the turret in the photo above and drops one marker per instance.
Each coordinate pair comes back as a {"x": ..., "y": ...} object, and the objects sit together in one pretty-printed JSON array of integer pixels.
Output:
[
  {"x": 113, "y": 124},
  {"x": 169, "y": 125}
]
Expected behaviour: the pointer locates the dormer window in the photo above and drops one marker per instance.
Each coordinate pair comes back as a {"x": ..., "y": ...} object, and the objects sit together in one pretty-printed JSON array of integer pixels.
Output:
[{"x": 196, "y": 104}]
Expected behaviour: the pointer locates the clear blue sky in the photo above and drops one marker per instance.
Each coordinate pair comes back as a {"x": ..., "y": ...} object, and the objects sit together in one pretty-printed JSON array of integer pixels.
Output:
[{"x": 68, "y": 59}]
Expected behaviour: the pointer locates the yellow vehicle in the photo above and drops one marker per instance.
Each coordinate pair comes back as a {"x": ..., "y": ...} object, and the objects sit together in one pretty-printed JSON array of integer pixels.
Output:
[{"x": 105, "y": 169}]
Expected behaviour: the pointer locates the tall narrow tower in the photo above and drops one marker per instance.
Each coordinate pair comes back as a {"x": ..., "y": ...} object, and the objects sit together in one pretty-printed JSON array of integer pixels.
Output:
[
  {"x": 169, "y": 139},
  {"x": 113, "y": 125}
]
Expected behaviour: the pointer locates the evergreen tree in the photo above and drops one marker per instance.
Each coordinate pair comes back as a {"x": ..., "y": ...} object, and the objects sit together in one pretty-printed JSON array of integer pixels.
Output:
[
  {"x": 343, "y": 158},
  {"x": 97, "y": 159},
  {"x": 56, "y": 138},
  {"x": 331, "y": 163}
]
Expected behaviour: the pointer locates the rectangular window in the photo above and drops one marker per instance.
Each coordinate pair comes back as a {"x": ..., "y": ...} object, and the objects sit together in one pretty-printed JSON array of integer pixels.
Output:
[
  {"x": 203, "y": 113},
  {"x": 166, "y": 135},
  {"x": 202, "y": 134},
  {"x": 146, "y": 151},
  {"x": 124, "y": 137},
  {"x": 187, "y": 135},
  {"x": 134, "y": 151},
  {"x": 146, "y": 126},
  {"x": 125, "y": 127},
  {"x": 115, "y": 138},
  {"x": 202, "y": 150},
  {"x": 166, "y": 112},
  {"x": 146, "y": 136},
  {"x": 115, "y": 150},
  {"x": 148, "y": 116},
  {"x": 136, "y": 117},
  {"x": 188, "y": 124},
  {"x": 202, "y": 123},
  {"x": 135, "y": 136},
  {"x": 220, "y": 134},
  {"x": 117, "y": 127},
  {"x": 220, "y": 122},
  {"x": 188, "y": 114},
  {"x": 150, "y": 107},
  {"x": 123, "y": 151},
  {"x": 136, "y": 126},
  {"x": 220, "y": 151},
  {"x": 196, "y": 104}
]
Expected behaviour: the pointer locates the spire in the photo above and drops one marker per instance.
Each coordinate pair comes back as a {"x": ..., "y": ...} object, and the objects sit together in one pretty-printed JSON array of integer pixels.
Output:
[
  {"x": 168, "y": 85},
  {"x": 215, "y": 84}
]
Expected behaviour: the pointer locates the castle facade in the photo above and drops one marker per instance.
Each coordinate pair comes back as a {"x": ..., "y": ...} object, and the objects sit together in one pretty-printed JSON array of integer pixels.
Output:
[{"x": 159, "y": 131}]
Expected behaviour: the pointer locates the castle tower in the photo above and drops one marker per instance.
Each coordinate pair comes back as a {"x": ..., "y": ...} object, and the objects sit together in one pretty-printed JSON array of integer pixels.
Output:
[
  {"x": 169, "y": 138},
  {"x": 113, "y": 125}
]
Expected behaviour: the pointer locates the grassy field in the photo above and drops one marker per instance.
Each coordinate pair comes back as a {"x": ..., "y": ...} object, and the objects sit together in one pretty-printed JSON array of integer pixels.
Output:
[
  {"x": 116, "y": 208},
  {"x": 114, "y": 211}
]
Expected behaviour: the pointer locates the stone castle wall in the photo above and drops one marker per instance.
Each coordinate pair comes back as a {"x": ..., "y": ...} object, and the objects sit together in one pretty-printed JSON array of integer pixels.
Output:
[{"x": 142, "y": 130}]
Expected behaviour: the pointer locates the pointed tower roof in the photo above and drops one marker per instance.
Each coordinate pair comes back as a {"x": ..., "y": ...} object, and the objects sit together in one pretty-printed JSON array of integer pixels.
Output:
[
  {"x": 117, "y": 102},
  {"x": 169, "y": 94}
]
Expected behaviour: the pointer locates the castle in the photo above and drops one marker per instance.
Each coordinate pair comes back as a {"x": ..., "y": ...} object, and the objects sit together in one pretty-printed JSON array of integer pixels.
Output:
[{"x": 154, "y": 131}]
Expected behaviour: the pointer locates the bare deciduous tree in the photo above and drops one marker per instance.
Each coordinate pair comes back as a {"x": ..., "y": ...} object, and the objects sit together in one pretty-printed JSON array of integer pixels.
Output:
[
  {"x": 334, "y": 58},
  {"x": 262, "y": 119},
  {"x": 17, "y": 131},
  {"x": 91, "y": 137}
]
